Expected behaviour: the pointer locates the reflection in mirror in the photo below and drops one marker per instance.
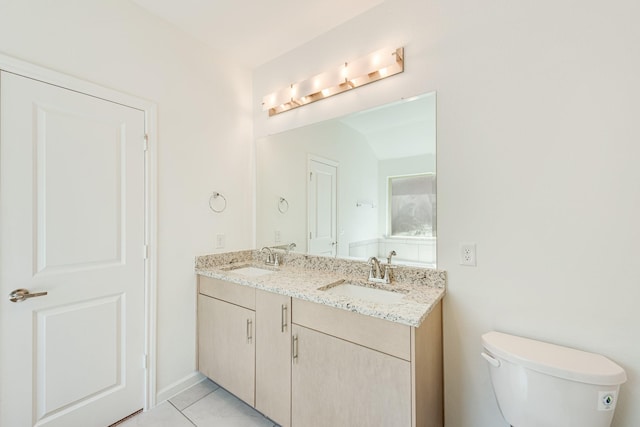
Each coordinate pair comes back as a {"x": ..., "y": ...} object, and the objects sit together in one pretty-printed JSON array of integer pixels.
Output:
[{"x": 356, "y": 186}]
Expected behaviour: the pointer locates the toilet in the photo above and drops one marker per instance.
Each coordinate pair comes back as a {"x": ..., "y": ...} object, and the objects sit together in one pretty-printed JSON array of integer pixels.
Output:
[{"x": 538, "y": 384}]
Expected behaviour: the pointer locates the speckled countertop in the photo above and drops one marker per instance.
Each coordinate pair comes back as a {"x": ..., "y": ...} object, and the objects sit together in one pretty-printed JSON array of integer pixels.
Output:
[{"x": 300, "y": 276}]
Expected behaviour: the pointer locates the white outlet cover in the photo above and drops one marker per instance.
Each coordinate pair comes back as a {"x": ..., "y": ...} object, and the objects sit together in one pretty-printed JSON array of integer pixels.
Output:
[{"x": 468, "y": 254}]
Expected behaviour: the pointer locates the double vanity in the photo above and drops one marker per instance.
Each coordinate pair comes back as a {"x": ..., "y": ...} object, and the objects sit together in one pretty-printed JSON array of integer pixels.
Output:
[{"x": 313, "y": 342}]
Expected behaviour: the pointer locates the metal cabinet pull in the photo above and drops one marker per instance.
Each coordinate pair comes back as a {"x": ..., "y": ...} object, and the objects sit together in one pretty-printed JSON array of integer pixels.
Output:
[
  {"x": 249, "y": 330},
  {"x": 284, "y": 318},
  {"x": 294, "y": 344},
  {"x": 19, "y": 295}
]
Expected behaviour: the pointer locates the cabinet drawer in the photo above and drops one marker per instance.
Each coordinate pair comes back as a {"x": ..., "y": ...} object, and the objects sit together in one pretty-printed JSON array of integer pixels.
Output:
[
  {"x": 378, "y": 334},
  {"x": 244, "y": 296}
]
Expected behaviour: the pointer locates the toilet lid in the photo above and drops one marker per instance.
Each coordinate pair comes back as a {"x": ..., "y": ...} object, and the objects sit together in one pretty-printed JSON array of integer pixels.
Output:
[{"x": 555, "y": 360}]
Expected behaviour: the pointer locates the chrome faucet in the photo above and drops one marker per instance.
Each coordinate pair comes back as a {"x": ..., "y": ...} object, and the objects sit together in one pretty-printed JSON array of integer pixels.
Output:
[
  {"x": 392, "y": 253},
  {"x": 374, "y": 272},
  {"x": 272, "y": 259}
]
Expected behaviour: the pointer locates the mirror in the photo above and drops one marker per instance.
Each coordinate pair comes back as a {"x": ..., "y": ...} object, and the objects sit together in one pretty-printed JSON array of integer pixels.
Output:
[{"x": 353, "y": 187}]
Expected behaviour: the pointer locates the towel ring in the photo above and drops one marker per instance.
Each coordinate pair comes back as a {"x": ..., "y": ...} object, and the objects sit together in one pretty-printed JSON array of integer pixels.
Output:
[
  {"x": 214, "y": 196},
  {"x": 283, "y": 205}
]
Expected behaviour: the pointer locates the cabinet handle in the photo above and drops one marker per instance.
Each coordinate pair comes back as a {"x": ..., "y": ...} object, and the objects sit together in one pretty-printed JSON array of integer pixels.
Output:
[
  {"x": 294, "y": 344},
  {"x": 249, "y": 330},
  {"x": 284, "y": 318}
]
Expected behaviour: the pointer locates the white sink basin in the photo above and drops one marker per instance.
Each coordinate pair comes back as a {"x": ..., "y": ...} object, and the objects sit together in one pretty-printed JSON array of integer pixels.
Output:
[
  {"x": 364, "y": 293},
  {"x": 252, "y": 271}
]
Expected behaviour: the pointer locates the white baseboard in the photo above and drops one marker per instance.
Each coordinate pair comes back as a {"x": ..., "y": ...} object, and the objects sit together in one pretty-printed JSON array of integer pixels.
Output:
[{"x": 179, "y": 386}]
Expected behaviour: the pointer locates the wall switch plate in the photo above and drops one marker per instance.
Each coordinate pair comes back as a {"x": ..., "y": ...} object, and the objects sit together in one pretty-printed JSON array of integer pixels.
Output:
[
  {"x": 468, "y": 254},
  {"x": 220, "y": 241}
]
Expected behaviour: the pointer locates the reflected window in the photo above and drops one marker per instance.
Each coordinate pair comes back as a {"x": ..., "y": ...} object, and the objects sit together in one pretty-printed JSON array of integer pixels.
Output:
[{"x": 412, "y": 205}]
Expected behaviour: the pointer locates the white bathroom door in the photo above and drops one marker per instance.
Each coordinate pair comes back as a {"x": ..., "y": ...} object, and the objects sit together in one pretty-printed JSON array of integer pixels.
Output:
[
  {"x": 322, "y": 207},
  {"x": 71, "y": 224}
]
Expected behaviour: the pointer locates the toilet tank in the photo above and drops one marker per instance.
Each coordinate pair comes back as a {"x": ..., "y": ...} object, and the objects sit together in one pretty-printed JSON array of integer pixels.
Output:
[{"x": 538, "y": 384}]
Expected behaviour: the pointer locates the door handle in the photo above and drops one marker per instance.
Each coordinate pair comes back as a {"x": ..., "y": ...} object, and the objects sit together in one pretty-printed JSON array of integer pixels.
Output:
[{"x": 19, "y": 295}]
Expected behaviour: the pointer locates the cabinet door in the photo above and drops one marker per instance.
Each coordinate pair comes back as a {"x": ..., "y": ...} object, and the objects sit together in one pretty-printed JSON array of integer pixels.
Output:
[
  {"x": 273, "y": 356},
  {"x": 338, "y": 383},
  {"x": 226, "y": 346}
]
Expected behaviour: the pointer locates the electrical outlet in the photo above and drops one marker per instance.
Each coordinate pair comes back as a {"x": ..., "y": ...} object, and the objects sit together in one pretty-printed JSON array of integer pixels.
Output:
[
  {"x": 468, "y": 254},
  {"x": 220, "y": 241},
  {"x": 276, "y": 237}
]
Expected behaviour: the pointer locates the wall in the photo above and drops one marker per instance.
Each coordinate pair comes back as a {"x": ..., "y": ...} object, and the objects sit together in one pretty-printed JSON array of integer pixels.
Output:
[
  {"x": 537, "y": 163},
  {"x": 204, "y": 135}
]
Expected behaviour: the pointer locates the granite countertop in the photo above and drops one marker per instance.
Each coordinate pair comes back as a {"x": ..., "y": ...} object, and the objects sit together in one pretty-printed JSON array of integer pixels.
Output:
[{"x": 300, "y": 276}]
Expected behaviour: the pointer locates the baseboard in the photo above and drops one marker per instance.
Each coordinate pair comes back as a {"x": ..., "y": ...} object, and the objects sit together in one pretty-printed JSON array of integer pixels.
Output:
[{"x": 179, "y": 386}]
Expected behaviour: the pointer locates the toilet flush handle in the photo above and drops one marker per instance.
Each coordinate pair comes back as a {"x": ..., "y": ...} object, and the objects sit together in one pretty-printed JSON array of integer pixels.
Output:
[{"x": 492, "y": 360}]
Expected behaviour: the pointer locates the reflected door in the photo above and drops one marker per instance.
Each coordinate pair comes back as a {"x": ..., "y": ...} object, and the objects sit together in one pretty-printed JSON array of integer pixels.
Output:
[
  {"x": 72, "y": 225},
  {"x": 322, "y": 207}
]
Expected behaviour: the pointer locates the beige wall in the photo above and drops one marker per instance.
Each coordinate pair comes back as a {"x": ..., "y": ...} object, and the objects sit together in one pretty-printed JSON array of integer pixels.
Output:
[
  {"x": 537, "y": 157},
  {"x": 204, "y": 143}
]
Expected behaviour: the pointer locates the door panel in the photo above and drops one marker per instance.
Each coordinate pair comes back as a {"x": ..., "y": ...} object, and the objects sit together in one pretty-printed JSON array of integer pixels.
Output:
[
  {"x": 72, "y": 224},
  {"x": 324, "y": 198},
  {"x": 61, "y": 335},
  {"x": 79, "y": 203},
  {"x": 322, "y": 207}
]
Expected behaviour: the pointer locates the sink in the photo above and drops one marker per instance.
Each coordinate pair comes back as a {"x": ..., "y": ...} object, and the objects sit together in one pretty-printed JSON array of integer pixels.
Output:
[
  {"x": 251, "y": 271},
  {"x": 362, "y": 292}
]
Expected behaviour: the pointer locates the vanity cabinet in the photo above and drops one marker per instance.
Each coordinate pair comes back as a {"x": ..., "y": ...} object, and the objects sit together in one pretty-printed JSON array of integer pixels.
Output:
[
  {"x": 273, "y": 356},
  {"x": 353, "y": 370},
  {"x": 226, "y": 336},
  {"x": 306, "y": 364}
]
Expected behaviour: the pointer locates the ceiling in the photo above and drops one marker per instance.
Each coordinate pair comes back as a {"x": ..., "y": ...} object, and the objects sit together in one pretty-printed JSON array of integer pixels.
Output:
[
  {"x": 255, "y": 32},
  {"x": 401, "y": 129}
]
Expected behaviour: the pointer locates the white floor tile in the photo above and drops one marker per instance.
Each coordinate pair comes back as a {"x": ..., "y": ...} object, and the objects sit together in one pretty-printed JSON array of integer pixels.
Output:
[
  {"x": 221, "y": 408},
  {"x": 193, "y": 394},
  {"x": 163, "y": 415}
]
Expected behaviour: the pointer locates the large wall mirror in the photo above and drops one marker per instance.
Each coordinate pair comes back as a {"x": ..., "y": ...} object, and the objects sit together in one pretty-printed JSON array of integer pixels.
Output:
[{"x": 356, "y": 186}]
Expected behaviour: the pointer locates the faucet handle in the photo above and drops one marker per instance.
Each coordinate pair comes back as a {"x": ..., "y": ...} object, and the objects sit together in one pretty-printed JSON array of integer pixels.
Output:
[{"x": 387, "y": 273}]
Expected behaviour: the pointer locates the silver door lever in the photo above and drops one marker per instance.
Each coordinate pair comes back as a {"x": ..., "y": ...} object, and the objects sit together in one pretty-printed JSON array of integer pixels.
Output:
[{"x": 20, "y": 295}]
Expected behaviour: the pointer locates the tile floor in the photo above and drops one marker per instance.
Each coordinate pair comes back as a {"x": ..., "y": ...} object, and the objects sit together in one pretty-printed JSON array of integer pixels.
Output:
[{"x": 202, "y": 405}]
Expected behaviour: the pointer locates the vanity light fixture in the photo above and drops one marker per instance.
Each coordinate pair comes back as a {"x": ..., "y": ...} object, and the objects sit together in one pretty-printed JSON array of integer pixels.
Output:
[{"x": 377, "y": 65}]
